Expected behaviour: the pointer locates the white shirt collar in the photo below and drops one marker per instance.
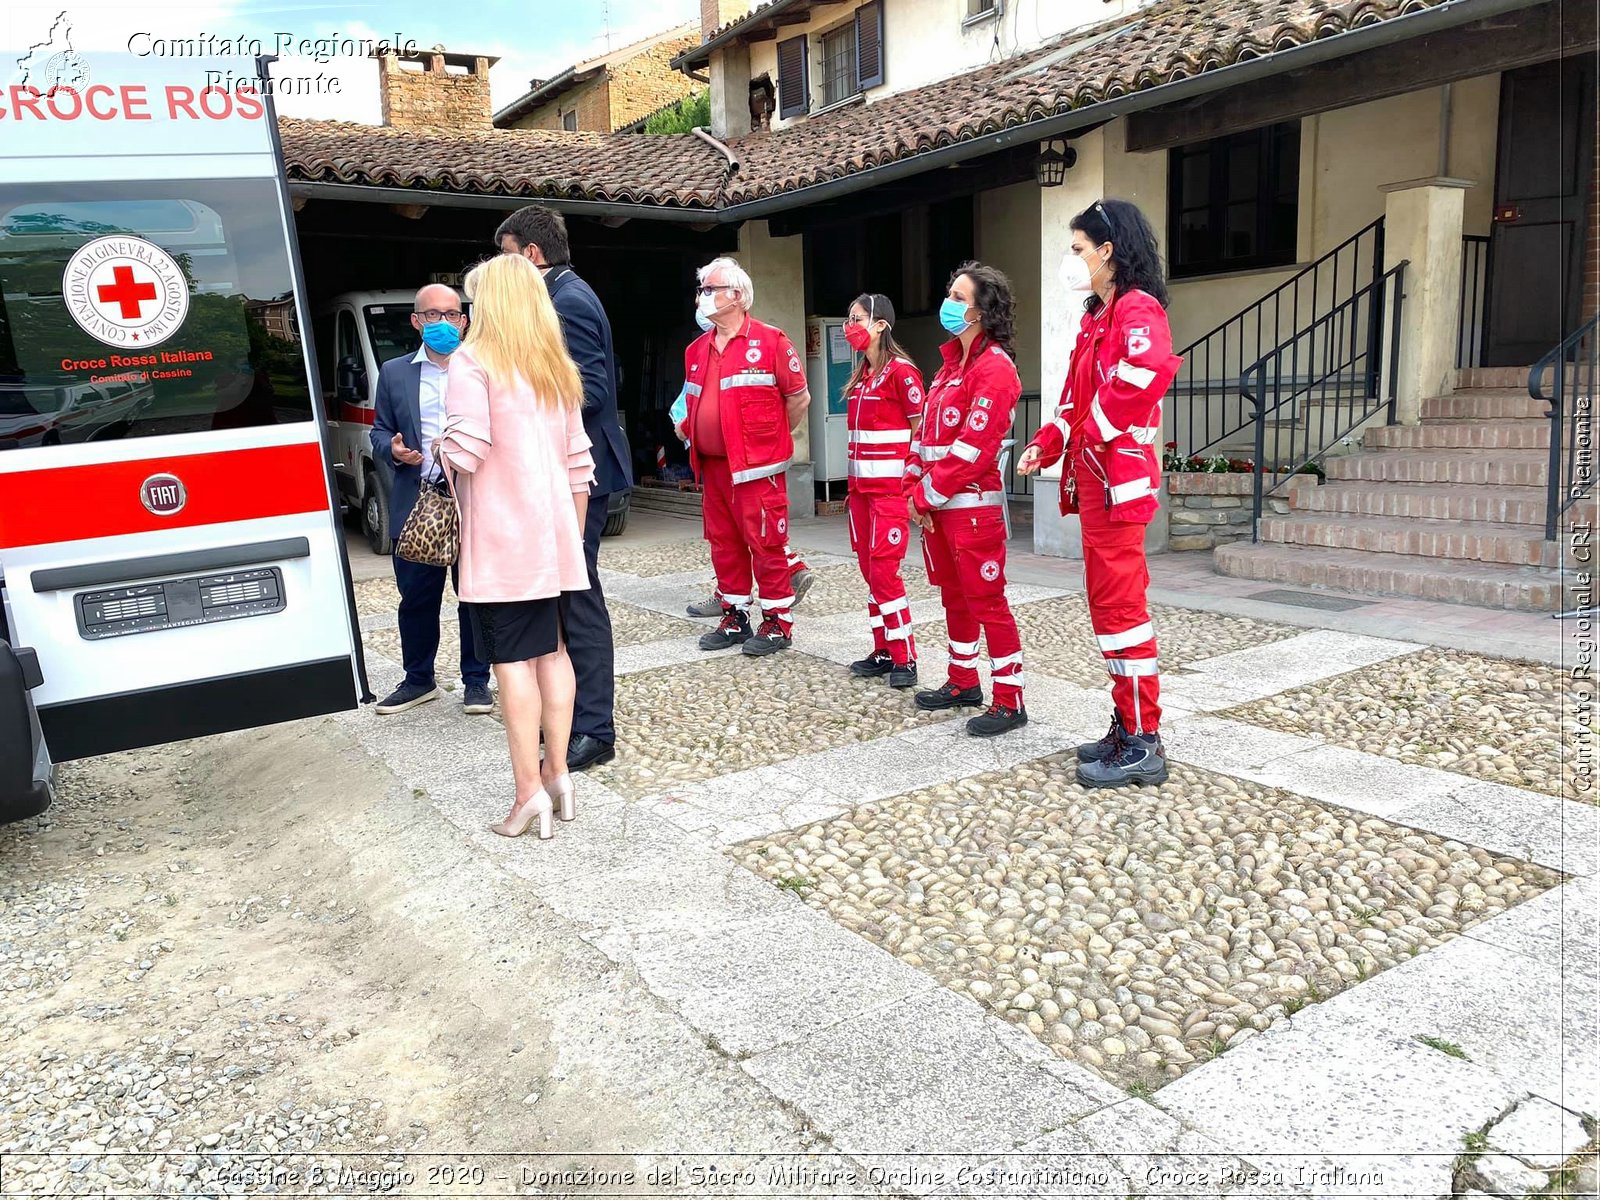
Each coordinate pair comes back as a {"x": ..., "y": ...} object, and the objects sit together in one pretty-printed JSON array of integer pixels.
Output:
[{"x": 421, "y": 356}]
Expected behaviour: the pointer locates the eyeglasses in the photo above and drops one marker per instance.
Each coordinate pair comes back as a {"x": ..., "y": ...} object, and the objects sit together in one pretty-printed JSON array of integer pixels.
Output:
[
  {"x": 711, "y": 289},
  {"x": 439, "y": 314}
]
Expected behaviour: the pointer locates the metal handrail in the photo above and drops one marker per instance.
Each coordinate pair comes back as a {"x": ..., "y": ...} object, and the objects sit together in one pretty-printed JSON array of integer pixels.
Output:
[
  {"x": 1206, "y": 377},
  {"x": 1476, "y": 259},
  {"x": 1581, "y": 377},
  {"x": 1384, "y": 299}
]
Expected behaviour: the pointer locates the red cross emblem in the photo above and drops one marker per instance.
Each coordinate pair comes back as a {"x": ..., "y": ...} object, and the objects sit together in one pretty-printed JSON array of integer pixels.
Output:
[
  {"x": 126, "y": 293},
  {"x": 125, "y": 290}
]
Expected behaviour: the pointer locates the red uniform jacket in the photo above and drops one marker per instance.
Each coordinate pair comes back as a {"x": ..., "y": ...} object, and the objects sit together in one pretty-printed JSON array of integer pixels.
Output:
[
  {"x": 759, "y": 370},
  {"x": 1111, "y": 405},
  {"x": 882, "y": 409},
  {"x": 965, "y": 417}
]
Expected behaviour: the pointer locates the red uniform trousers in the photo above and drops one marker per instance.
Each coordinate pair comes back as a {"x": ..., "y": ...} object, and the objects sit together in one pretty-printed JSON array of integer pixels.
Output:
[
  {"x": 1116, "y": 576},
  {"x": 879, "y": 529},
  {"x": 747, "y": 525},
  {"x": 966, "y": 556}
]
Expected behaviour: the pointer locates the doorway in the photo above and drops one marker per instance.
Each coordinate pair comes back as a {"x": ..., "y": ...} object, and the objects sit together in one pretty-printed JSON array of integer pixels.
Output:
[{"x": 1544, "y": 157}]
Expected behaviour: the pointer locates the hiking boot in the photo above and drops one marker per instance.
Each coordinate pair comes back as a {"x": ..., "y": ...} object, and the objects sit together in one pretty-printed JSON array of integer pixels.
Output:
[
  {"x": 1107, "y": 746},
  {"x": 1139, "y": 759},
  {"x": 903, "y": 675},
  {"x": 950, "y": 696},
  {"x": 734, "y": 630},
  {"x": 875, "y": 664},
  {"x": 407, "y": 695},
  {"x": 709, "y": 607},
  {"x": 769, "y": 639},
  {"x": 802, "y": 581},
  {"x": 999, "y": 719}
]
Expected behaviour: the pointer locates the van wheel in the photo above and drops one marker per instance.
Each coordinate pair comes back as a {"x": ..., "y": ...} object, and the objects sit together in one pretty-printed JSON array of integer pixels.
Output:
[
  {"x": 375, "y": 516},
  {"x": 615, "y": 524}
]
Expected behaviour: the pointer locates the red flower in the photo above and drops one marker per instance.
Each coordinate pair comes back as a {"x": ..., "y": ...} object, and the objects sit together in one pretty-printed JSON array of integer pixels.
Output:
[{"x": 1172, "y": 445}]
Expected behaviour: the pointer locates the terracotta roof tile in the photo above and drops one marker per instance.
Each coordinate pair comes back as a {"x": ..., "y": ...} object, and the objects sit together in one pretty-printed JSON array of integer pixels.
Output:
[
  {"x": 669, "y": 170},
  {"x": 1162, "y": 44},
  {"x": 1156, "y": 46}
]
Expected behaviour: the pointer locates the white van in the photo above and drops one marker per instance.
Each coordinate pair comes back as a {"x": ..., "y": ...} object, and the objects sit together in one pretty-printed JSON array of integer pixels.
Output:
[
  {"x": 171, "y": 564},
  {"x": 355, "y": 334}
]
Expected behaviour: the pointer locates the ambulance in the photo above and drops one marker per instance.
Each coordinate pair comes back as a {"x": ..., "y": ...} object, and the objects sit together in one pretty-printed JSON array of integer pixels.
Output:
[{"x": 171, "y": 562}]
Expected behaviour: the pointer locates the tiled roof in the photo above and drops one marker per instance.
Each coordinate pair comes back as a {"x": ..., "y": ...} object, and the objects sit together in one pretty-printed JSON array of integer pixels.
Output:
[
  {"x": 622, "y": 168},
  {"x": 1159, "y": 45}
]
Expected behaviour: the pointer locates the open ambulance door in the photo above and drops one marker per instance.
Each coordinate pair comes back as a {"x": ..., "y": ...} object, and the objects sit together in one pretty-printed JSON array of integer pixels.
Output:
[{"x": 171, "y": 559}]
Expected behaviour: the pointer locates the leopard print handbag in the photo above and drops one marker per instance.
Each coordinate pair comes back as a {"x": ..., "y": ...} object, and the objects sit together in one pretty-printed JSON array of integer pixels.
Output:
[{"x": 431, "y": 534}]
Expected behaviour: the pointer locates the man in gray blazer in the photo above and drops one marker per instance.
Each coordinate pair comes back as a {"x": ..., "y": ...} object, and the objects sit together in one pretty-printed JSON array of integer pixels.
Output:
[{"x": 409, "y": 417}]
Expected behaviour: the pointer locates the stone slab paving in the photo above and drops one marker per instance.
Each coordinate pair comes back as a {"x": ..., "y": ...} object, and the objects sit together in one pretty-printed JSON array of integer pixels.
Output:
[
  {"x": 1139, "y": 932},
  {"x": 1488, "y": 718},
  {"x": 886, "y": 1061}
]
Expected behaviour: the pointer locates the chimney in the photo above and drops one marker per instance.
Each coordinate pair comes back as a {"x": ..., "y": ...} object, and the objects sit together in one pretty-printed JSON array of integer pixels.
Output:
[
  {"x": 714, "y": 14},
  {"x": 433, "y": 89}
]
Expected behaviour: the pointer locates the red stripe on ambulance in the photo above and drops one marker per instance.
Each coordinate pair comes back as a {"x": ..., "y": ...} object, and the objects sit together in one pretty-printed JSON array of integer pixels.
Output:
[
  {"x": 69, "y": 504},
  {"x": 356, "y": 414}
]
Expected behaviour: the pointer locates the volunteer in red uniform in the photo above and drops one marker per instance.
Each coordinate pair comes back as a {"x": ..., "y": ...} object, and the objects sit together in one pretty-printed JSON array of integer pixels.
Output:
[
  {"x": 746, "y": 394},
  {"x": 1108, "y": 426},
  {"x": 953, "y": 479},
  {"x": 883, "y": 412}
]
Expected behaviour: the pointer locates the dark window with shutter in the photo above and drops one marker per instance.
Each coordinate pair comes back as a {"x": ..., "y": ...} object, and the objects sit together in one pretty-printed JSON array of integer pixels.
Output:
[
  {"x": 869, "y": 45},
  {"x": 794, "y": 87},
  {"x": 1234, "y": 202}
]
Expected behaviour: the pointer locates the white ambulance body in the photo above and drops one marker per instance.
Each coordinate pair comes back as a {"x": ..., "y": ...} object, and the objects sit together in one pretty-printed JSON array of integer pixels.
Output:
[{"x": 171, "y": 563}]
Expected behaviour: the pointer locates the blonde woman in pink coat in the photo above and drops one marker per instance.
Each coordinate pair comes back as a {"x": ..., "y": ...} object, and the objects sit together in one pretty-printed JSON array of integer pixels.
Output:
[{"x": 520, "y": 461}]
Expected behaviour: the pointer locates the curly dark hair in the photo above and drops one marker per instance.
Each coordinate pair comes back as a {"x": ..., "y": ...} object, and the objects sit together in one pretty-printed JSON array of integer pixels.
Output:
[
  {"x": 993, "y": 298},
  {"x": 1135, "y": 257}
]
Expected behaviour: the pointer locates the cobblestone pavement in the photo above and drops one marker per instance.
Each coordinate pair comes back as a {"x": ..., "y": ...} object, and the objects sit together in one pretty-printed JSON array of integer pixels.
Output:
[
  {"x": 1058, "y": 640},
  {"x": 701, "y": 720},
  {"x": 1140, "y": 932},
  {"x": 797, "y": 915},
  {"x": 1489, "y": 718}
]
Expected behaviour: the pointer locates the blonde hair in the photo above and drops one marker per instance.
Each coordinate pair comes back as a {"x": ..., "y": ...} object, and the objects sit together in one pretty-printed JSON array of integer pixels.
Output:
[{"x": 515, "y": 331}]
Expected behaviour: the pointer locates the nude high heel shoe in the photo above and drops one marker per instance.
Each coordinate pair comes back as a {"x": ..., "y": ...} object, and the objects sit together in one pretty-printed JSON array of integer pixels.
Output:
[
  {"x": 522, "y": 816},
  {"x": 561, "y": 792}
]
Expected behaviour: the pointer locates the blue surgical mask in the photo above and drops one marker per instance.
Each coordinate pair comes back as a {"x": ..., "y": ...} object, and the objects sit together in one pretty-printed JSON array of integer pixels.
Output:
[
  {"x": 953, "y": 316},
  {"x": 706, "y": 324},
  {"x": 441, "y": 337}
]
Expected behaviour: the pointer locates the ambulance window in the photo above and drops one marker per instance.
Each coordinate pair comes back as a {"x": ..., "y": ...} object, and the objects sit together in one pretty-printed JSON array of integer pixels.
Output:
[
  {"x": 322, "y": 333},
  {"x": 143, "y": 309},
  {"x": 389, "y": 327},
  {"x": 349, "y": 347}
]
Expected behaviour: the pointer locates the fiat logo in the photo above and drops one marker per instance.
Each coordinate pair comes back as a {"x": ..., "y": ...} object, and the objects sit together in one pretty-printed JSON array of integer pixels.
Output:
[{"x": 163, "y": 495}]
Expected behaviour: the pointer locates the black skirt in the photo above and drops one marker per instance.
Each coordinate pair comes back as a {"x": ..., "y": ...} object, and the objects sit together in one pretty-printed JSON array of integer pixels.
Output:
[{"x": 516, "y": 631}]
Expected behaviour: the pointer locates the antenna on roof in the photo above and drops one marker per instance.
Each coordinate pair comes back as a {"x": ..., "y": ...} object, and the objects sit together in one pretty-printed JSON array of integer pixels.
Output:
[{"x": 606, "y": 8}]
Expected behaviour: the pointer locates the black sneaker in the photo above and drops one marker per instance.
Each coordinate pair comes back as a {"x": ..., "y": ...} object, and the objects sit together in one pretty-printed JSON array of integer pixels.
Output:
[
  {"x": 769, "y": 639},
  {"x": 999, "y": 719},
  {"x": 903, "y": 676},
  {"x": 734, "y": 630},
  {"x": 1140, "y": 759},
  {"x": 711, "y": 606},
  {"x": 875, "y": 664},
  {"x": 407, "y": 695},
  {"x": 802, "y": 581},
  {"x": 476, "y": 699},
  {"x": 1107, "y": 746},
  {"x": 950, "y": 696}
]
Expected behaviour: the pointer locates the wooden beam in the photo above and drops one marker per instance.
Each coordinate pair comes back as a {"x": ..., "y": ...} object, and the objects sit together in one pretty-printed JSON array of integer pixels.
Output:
[
  {"x": 300, "y": 202},
  {"x": 762, "y": 35},
  {"x": 411, "y": 212},
  {"x": 1552, "y": 30}
]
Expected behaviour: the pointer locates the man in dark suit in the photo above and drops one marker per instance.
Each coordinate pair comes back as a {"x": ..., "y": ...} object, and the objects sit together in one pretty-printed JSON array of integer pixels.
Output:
[
  {"x": 540, "y": 234},
  {"x": 409, "y": 416}
]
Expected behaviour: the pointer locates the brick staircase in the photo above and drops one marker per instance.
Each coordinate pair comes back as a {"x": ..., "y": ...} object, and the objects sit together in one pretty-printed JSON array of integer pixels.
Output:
[{"x": 1452, "y": 509}]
